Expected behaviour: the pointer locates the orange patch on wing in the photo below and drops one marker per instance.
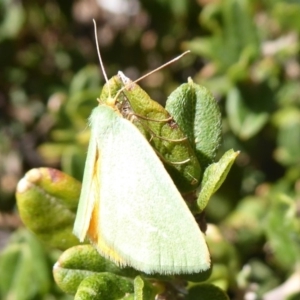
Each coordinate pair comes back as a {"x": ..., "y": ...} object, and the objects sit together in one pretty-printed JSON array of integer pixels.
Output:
[
  {"x": 93, "y": 228},
  {"x": 95, "y": 193},
  {"x": 93, "y": 232}
]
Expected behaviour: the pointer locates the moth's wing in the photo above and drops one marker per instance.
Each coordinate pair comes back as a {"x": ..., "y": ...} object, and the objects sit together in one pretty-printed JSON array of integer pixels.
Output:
[
  {"x": 90, "y": 189},
  {"x": 140, "y": 219}
]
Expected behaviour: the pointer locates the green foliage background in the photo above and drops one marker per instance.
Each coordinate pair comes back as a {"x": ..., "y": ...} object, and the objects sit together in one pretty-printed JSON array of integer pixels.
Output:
[{"x": 246, "y": 52}]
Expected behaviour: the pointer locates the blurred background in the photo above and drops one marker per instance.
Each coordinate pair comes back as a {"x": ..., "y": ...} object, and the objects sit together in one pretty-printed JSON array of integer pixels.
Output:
[{"x": 246, "y": 52}]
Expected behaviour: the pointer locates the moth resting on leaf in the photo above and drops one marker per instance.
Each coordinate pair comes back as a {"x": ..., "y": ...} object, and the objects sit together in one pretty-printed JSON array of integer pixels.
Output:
[{"x": 129, "y": 207}]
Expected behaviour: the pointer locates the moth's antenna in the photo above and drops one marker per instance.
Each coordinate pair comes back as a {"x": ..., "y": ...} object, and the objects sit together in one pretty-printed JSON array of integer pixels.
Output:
[
  {"x": 98, "y": 51},
  {"x": 125, "y": 79},
  {"x": 164, "y": 65}
]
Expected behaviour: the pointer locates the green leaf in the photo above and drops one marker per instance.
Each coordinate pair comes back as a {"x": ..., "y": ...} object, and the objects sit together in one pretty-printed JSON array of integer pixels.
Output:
[
  {"x": 47, "y": 200},
  {"x": 214, "y": 176},
  {"x": 198, "y": 115},
  {"x": 244, "y": 121},
  {"x": 283, "y": 230},
  {"x": 234, "y": 42},
  {"x": 79, "y": 262},
  {"x": 24, "y": 272},
  {"x": 104, "y": 286}
]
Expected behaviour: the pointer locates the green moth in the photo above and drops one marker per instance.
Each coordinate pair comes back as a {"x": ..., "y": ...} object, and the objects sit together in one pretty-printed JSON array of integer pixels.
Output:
[{"x": 129, "y": 207}]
